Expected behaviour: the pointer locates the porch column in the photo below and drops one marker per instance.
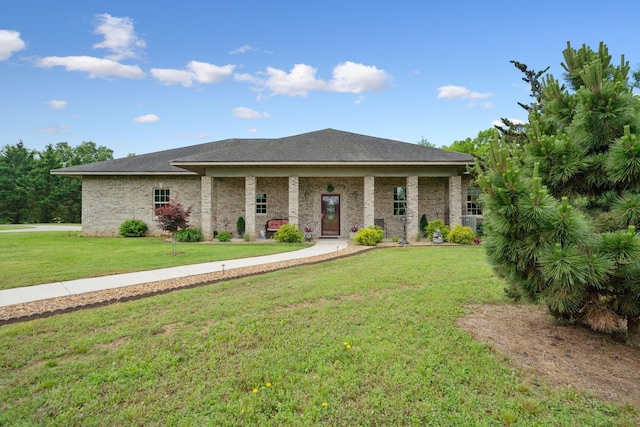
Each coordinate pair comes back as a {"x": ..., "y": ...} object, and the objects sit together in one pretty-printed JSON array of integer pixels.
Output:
[
  {"x": 250, "y": 206},
  {"x": 412, "y": 207},
  {"x": 455, "y": 200},
  {"x": 206, "y": 192},
  {"x": 294, "y": 195},
  {"x": 369, "y": 201}
]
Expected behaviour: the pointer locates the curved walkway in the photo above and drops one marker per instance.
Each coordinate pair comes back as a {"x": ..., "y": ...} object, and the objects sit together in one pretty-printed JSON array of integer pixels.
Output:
[{"x": 74, "y": 287}]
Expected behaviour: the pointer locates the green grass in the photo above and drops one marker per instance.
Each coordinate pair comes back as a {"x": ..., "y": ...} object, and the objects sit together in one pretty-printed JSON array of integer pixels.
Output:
[
  {"x": 44, "y": 257},
  {"x": 270, "y": 350},
  {"x": 14, "y": 227}
]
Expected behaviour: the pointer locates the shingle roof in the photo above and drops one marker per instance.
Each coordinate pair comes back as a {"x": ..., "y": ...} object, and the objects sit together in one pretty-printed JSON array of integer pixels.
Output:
[
  {"x": 329, "y": 145},
  {"x": 325, "y": 146},
  {"x": 158, "y": 162}
]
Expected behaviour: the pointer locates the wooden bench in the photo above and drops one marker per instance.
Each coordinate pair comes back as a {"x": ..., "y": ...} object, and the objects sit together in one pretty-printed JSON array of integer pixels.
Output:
[{"x": 274, "y": 225}]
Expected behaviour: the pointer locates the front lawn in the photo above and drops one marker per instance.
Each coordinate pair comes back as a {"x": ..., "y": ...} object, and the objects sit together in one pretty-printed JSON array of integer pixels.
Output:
[
  {"x": 14, "y": 227},
  {"x": 366, "y": 340},
  {"x": 44, "y": 257}
]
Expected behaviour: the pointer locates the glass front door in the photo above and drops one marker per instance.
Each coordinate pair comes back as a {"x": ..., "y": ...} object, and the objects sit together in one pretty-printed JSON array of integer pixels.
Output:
[{"x": 330, "y": 215}]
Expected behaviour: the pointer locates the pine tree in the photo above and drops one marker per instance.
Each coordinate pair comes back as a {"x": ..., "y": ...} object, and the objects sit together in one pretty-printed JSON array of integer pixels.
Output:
[{"x": 562, "y": 208}]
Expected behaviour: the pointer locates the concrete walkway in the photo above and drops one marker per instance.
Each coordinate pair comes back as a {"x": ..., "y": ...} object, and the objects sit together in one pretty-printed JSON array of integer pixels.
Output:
[
  {"x": 74, "y": 287},
  {"x": 42, "y": 227}
]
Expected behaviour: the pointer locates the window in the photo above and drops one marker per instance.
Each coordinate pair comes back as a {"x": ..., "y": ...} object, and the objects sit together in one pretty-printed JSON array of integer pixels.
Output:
[
  {"x": 160, "y": 197},
  {"x": 399, "y": 201},
  {"x": 473, "y": 208},
  {"x": 261, "y": 203}
]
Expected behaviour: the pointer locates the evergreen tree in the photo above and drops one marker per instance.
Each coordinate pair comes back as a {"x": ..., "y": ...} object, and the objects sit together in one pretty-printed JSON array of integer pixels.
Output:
[
  {"x": 16, "y": 161},
  {"x": 28, "y": 191},
  {"x": 562, "y": 207}
]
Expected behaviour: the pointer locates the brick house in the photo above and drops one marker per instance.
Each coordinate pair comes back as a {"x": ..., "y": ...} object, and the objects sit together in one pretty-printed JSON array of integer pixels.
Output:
[{"x": 328, "y": 180}]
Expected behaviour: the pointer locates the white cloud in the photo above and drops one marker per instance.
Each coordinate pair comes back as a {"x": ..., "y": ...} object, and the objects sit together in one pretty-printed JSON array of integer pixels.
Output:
[
  {"x": 119, "y": 37},
  {"x": 209, "y": 73},
  {"x": 202, "y": 136},
  {"x": 460, "y": 92},
  {"x": 514, "y": 121},
  {"x": 170, "y": 76},
  {"x": 248, "y": 113},
  {"x": 487, "y": 105},
  {"x": 246, "y": 78},
  {"x": 148, "y": 118},
  {"x": 197, "y": 71},
  {"x": 242, "y": 49},
  {"x": 56, "y": 104},
  {"x": 348, "y": 77},
  {"x": 356, "y": 78},
  {"x": 10, "y": 42},
  {"x": 300, "y": 80},
  {"x": 56, "y": 129},
  {"x": 96, "y": 67},
  {"x": 252, "y": 130}
]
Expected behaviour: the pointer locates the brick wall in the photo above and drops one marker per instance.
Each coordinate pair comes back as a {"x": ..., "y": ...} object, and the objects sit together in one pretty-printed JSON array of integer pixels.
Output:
[
  {"x": 434, "y": 198},
  {"x": 228, "y": 203},
  {"x": 109, "y": 201}
]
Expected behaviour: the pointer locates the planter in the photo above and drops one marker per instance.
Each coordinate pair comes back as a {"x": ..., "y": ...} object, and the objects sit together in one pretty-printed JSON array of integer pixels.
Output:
[
  {"x": 308, "y": 236},
  {"x": 352, "y": 234}
]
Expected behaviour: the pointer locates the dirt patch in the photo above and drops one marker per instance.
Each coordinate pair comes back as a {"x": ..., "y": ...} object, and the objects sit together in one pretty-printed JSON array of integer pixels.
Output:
[{"x": 563, "y": 356}]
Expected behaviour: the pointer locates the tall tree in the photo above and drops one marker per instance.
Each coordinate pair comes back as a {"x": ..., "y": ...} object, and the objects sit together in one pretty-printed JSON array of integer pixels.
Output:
[
  {"x": 16, "y": 161},
  {"x": 477, "y": 146},
  {"x": 87, "y": 152},
  {"x": 29, "y": 193},
  {"x": 562, "y": 209},
  {"x": 425, "y": 142}
]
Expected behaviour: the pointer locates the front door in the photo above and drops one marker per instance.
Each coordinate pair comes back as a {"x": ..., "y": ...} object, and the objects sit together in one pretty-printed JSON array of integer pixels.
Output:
[{"x": 330, "y": 215}]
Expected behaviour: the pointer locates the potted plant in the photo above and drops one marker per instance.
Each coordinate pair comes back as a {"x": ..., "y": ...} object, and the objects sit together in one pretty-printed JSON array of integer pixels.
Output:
[
  {"x": 352, "y": 231},
  {"x": 240, "y": 226},
  {"x": 307, "y": 233}
]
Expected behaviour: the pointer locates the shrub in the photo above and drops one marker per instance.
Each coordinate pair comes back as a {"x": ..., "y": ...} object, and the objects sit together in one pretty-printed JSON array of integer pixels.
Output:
[
  {"x": 189, "y": 235},
  {"x": 369, "y": 236},
  {"x": 225, "y": 236},
  {"x": 133, "y": 228},
  {"x": 240, "y": 223},
  {"x": 423, "y": 225},
  {"x": 288, "y": 233},
  {"x": 461, "y": 234},
  {"x": 434, "y": 225}
]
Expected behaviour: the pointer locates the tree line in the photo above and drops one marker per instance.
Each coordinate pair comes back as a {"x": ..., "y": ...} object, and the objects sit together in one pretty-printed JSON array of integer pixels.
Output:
[{"x": 30, "y": 194}]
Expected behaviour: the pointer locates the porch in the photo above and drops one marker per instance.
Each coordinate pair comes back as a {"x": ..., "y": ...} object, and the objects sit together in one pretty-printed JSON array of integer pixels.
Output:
[{"x": 331, "y": 205}]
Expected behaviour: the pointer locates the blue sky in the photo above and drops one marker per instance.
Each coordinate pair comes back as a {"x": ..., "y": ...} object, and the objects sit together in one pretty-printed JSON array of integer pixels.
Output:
[{"x": 139, "y": 77}]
